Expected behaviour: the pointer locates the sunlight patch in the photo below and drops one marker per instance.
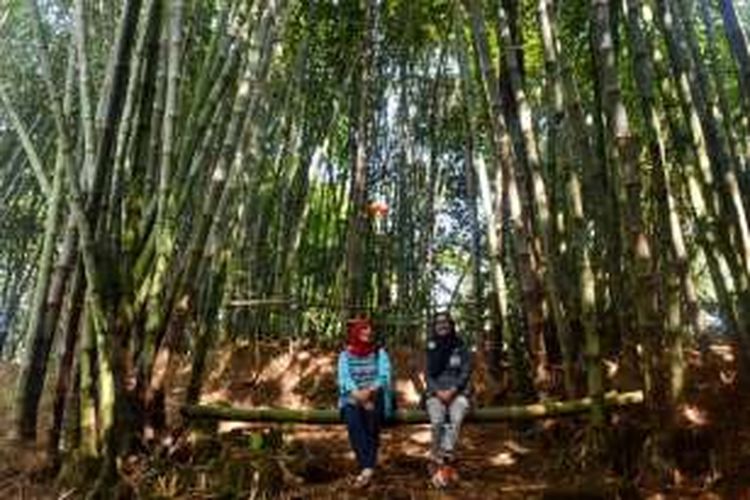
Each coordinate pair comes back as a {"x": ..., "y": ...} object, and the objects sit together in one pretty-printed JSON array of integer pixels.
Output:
[
  {"x": 503, "y": 459},
  {"x": 695, "y": 415},
  {"x": 225, "y": 427},
  {"x": 725, "y": 352},
  {"x": 412, "y": 450},
  {"x": 407, "y": 391},
  {"x": 515, "y": 447},
  {"x": 422, "y": 436},
  {"x": 728, "y": 377},
  {"x": 215, "y": 396}
]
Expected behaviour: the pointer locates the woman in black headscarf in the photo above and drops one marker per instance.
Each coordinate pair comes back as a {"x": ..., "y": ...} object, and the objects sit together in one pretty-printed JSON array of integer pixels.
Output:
[{"x": 448, "y": 374}]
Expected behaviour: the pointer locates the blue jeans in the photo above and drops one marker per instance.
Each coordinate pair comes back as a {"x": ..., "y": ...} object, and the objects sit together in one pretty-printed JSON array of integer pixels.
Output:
[{"x": 363, "y": 427}]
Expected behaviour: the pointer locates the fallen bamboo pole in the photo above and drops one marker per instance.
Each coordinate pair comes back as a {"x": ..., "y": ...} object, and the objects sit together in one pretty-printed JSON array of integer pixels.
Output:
[{"x": 408, "y": 416}]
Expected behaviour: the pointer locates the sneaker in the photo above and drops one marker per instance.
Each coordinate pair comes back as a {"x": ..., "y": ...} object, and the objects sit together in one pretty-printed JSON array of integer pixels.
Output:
[
  {"x": 444, "y": 476},
  {"x": 440, "y": 479},
  {"x": 364, "y": 478},
  {"x": 451, "y": 474}
]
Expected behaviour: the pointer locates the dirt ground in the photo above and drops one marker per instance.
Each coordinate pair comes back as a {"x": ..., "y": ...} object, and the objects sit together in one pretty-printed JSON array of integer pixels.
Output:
[{"x": 546, "y": 459}]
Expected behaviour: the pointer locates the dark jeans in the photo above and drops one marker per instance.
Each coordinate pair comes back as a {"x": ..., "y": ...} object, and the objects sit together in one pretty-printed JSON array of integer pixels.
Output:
[{"x": 364, "y": 431}]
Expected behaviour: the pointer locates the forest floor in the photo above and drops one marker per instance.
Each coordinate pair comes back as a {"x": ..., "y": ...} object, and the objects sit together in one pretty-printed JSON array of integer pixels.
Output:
[{"x": 544, "y": 459}]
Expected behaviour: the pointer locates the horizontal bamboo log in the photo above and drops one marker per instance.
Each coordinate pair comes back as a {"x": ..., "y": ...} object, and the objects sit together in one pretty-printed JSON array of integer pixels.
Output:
[
  {"x": 408, "y": 416},
  {"x": 282, "y": 302}
]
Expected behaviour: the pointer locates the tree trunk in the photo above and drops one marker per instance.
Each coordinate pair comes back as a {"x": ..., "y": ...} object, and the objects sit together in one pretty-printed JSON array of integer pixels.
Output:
[
  {"x": 668, "y": 220},
  {"x": 522, "y": 245},
  {"x": 71, "y": 326},
  {"x": 625, "y": 154},
  {"x": 547, "y": 262},
  {"x": 739, "y": 46},
  {"x": 357, "y": 226},
  {"x": 33, "y": 372}
]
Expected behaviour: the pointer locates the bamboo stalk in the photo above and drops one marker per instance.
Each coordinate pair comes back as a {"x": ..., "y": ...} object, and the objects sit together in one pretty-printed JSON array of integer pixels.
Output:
[
  {"x": 738, "y": 44},
  {"x": 31, "y": 153},
  {"x": 84, "y": 91},
  {"x": 540, "y": 212},
  {"x": 639, "y": 251},
  {"x": 356, "y": 290},
  {"x": 479, "y": 182},
  {"x": 40, "y": 335},
  {"x": 507, "y": 183},
  {"x": 547, "y": 409}
]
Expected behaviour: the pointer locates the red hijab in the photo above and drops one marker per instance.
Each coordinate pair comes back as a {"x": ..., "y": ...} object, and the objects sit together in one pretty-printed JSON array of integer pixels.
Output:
[{"x": 354, "y": 343}]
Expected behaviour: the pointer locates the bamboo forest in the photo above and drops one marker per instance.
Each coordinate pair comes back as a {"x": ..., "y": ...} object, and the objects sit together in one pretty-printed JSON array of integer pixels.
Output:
[{"x": 460, "y": 249}]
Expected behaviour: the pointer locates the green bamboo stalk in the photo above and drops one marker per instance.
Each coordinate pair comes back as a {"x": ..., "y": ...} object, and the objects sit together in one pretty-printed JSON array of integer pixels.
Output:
[
  {"x": 302, "y": 183},
  {"x": 719, "y": 199},
  {"x": 208, "y": 330},
  {"x": 220, "y": 49},
  {"x": 239, "y": 134},
  {"x": 139, "y": 160},
  {"x": 31, "y": 380},
  {"x": 493, "y": 211},
  {"x": 547, "y": 262},
  {"x": 95, "y": 301},
  {"x": 111, "y": 108},
  {"x": 478, "y": 187},
  {"x": 644, "y": 76},
  {"x": 355, "y": 279},
  {"x": 739, "y": 147},
  {"x": 508, "y": 185},
  {"x": 87, "y": 366},
  {"x": 71, "y": 326},
  {"x": 155, "y": 131},
  {"x": 128, "y": 137},
  {"x": 206, "y": 151},
  {"x": 576, "y": 150},
  {"x": 625, "y": 152},
  {"x": 31, "y": 153},
  {"x": 548, "y": 409},
  {"x": 723, "y": 165},
  {"x": 739, "y": 47},
  {"x": 200, "y": 116},
  {"x": 164, "y": 228},
  {"x": 84, "y": 92},
  {"x": 48, "y": 293}
]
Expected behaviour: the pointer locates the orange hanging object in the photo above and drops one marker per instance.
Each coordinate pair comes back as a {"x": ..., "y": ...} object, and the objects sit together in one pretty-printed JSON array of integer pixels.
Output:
[{"x": 377, "y": 208}]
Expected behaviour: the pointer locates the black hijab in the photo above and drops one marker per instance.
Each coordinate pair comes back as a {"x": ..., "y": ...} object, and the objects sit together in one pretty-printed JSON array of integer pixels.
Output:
[{"x": 439, "y": 354}]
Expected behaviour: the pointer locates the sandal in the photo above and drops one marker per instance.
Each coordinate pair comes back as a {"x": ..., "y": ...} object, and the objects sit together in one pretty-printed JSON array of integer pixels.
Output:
[{"x": 363, "y": 479}]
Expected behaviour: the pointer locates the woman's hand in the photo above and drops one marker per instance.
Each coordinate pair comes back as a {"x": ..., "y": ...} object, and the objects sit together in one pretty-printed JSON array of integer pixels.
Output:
[
  {"x": 364, "y": 396},
  {"x": 447, "y": 395}
]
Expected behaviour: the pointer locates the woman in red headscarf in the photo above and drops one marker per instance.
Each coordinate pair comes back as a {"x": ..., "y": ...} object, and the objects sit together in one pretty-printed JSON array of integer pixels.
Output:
[{"x": 364, "y": 379}]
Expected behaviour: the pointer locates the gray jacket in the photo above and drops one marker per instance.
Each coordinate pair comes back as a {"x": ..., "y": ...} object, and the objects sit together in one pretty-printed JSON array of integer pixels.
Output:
[{"x": 456, "y": 374}]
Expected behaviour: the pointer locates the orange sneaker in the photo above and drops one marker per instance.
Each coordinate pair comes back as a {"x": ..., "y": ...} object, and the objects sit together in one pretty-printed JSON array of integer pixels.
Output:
[
  {"x": 450, "y": 473},
  {"x": 438, "y": 479},
  {"x": 444, "y": 476}
]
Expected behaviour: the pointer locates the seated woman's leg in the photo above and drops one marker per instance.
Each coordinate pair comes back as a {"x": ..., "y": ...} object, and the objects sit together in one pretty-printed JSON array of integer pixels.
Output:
[
  {"x": 372, "y": 419},
  {"x": 457, "y": 411},
  {"x": 437, "y": 412},
  {"x": 356, "y": 426}
]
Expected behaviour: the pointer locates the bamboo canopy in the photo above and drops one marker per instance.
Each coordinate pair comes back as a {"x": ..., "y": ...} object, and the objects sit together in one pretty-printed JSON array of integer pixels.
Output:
[{"x": 569, "y": 179}]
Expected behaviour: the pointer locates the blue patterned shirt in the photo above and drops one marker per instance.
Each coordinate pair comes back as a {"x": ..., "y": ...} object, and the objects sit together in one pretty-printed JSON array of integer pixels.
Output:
[{"x": 356, "y": 373}]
